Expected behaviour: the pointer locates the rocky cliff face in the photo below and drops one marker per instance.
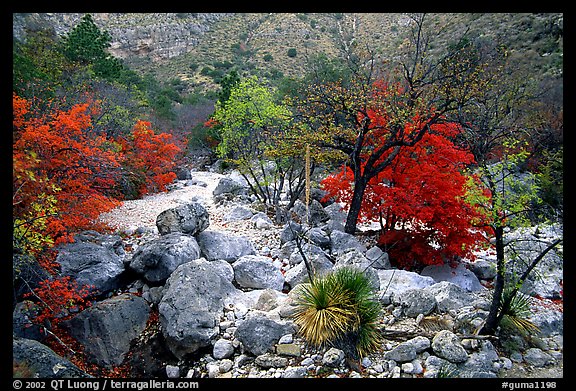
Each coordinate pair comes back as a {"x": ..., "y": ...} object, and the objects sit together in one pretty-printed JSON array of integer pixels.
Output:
[{"x": 157, "y": 36}]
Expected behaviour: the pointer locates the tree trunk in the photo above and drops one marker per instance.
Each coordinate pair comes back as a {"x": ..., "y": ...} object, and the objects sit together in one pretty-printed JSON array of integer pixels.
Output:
[
  {"x": 492, "y": 320},
  {"x": 506, "y": 303},
  {"x": 355, "y": 205}
]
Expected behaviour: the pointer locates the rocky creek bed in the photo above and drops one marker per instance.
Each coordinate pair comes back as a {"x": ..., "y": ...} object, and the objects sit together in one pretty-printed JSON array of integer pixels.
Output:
[{"x": 198, "y": 282}]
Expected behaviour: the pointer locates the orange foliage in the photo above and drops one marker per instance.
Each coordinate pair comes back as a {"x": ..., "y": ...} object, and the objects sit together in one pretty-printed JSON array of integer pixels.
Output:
[
  {"x": 152, "y": 156},
  {"x": 67, "y": 175},
  {"x": 58, "y": 297},
  {"x": 56, "y": 155}
]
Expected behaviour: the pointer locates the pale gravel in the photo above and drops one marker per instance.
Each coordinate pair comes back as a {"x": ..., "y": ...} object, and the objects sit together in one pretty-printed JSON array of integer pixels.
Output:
[{"x": 142, "y": 213}]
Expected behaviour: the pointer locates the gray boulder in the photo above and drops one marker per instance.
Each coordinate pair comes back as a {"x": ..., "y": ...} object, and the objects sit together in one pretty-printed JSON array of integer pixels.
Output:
[
  {"x": 158, "y": 258},
  {"x": 262, "y": 221},
  {"x": 190, "y": 309},
  {"x": 550, "y": 321},
  {"x": 450, "y": 296},
  {"x": 107, "y": 328},
  {"x": 483, "y": 268},
  {"x": 354, "y": 258},
  {"x": 229, "y": 186},
  {"x": 223, "y": 268},
  {"x": 22, "y": 325},
  {"x": 394, "y": 281},
  {"x": 91, "y": 264},
  {"x": 259, "y": 333},
  {"x": 309, "y": 250},
  {"x": 342, "y": 242},
  {"x": 420, "y": 343},
  {"x": 378, "y": 259},
  {"x": 220, "y": 245},
  {"x": 546, "y": 279},
  {"x": 316, "y": 214},
  {"x": 436, "y": 365},
  {"x": 257, "y": 272},
  {"x": 415, "y": 302},
  {"x": 403, "y": 352},
  {"x": 32, "y": 359},
  {"x": 110, "y": 241},
  {"x": 459, "y": 275},
  {"x": 318, "y": 237},
  {"x": 447, "y": 345},
  {"x": 337, "y": 216},
  {"x": 537, "y": 357},
  {"x": 299, "y": 273},
  {"x": 189, "y": 218},
  {"x": 290, "y": 231},
  {"x": 480, "y": 364},
  {"x": 408, "y": 350},
  {"x": 183, "y": 173},
  {"x": 223, "y": 348},
  {"x": 238, "y": 213}
]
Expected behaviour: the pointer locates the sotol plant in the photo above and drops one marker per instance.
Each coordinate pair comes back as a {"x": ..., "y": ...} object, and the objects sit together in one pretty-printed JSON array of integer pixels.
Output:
[
  {"x": 516, "y": 315},
  {"x": 340, "y": 309}
]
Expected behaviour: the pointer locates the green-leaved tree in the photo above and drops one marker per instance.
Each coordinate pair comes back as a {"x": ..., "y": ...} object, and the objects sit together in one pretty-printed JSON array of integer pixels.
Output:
[{"x": 252, "y": 127}]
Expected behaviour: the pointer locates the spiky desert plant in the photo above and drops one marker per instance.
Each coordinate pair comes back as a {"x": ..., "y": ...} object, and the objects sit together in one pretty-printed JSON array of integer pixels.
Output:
[
  {"x": 324, "y": 311},
  {"x": 368, "y": 308},
  {"x": 516, "y": 313},
  {"x": 339, "y": 308}
]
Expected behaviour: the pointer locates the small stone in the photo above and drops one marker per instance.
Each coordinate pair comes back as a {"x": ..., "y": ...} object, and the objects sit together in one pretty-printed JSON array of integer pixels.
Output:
[
  {"x": 333, "y": 357},
  {"x": 268, "y": 360},
  {"x": 288, "y": 349},
  {"x": 172, "y": 371},
  {"x": 223, "y": 349},
  {"x": 294, "y": 372},
  {"x": 225, "y": 365},
  {"x": 307, "y": 362},
  {"x": 288, "y": 338}
]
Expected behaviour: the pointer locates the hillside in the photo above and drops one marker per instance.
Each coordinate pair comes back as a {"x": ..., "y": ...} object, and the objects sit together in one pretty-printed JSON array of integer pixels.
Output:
[{"x": 194, "y": 47}]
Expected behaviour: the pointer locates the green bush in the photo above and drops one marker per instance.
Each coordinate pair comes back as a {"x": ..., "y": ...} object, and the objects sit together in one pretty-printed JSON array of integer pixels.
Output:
[{"x": 292, "y": 52}]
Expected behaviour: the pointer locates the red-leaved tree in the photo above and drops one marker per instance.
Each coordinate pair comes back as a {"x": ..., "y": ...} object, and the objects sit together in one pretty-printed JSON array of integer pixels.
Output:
[{"x": 419, "y": 199}]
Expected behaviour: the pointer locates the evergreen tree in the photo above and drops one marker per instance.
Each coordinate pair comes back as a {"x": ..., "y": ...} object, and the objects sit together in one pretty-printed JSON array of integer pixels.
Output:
[{"x": 86, "y": 45}]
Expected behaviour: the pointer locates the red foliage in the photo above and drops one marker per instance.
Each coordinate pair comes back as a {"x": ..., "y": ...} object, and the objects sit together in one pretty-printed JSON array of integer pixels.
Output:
[
  {"x": 64, "y": 176},
  {"x": 55, "y": 154},
  {"x": 419, "y": 198},
  {"x": 152, "y": 156},
  {"x": 58, "y": 155},
  {"x": 58, "y": 297},
  {"x": 210, "y": 123}
]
